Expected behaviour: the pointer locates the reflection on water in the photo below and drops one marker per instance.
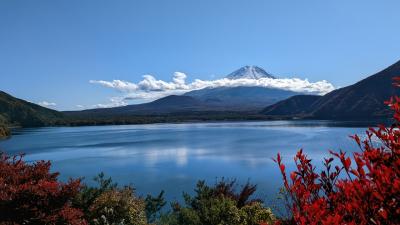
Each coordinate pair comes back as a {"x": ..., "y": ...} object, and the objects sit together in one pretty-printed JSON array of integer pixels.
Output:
[{"x": 174, "y": 156}]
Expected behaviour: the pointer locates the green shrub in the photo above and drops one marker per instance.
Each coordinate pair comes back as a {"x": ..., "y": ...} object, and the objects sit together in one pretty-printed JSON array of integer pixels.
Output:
[
  {"x": 219, "y": 205},
  {"x": 154, "y": 206},
  {"x": 118, "y": 206},
  {"x": 254, "y": 213},
  {"x": 88, "y": 194},
  {"x": 106, "y": 203}
]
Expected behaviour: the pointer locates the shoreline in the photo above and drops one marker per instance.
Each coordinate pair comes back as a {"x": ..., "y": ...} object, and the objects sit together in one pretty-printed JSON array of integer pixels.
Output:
[{"x": 302, "y": 122}]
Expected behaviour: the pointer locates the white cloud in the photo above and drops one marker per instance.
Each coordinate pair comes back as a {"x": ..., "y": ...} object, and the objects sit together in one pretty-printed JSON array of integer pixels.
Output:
[
  {"x": 290, "y": 84},
  {"x": 116, "y": 84},
  {"x": 113, "y": 102},
  {"x": 150, "y": 88},
  {"x": 47, "y": 104},
  {"x": 179, "y": 78}
]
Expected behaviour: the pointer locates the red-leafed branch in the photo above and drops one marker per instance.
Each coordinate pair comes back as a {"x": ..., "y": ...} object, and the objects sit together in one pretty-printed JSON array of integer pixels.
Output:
[{"x": 369, "y": 191}]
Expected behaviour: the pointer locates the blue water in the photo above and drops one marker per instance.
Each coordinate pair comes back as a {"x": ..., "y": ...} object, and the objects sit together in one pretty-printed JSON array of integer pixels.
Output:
[{"x": 173, "y": 157}]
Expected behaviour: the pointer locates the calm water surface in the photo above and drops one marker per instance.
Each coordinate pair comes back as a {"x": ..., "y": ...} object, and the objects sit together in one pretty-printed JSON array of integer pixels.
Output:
[{"x": 174, "y": 156}]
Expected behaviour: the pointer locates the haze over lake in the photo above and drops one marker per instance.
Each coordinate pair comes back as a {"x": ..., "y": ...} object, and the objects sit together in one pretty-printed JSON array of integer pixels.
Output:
[{"x": 174, "y": 157}]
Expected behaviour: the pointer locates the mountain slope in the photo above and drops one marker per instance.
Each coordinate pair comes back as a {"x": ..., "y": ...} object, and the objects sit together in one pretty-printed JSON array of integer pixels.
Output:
[
  {"x": 240, "y": 98},
  {"x": 360, "y": 101},
  {"x": 166, "y": 105},
  {"x": 365, "y": 99},
  {"x": 169, "y": 104},
  {"x": 293, "y": 106},
  {"x": 14, "y": 111}
]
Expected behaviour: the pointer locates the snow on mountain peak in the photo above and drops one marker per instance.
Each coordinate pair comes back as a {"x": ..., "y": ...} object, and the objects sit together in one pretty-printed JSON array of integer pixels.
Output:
[{"x": 249, "y": 72}]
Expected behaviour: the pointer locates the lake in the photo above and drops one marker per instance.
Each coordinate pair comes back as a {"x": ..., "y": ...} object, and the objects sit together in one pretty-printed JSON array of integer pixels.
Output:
[{"x": 173, "y": 157}]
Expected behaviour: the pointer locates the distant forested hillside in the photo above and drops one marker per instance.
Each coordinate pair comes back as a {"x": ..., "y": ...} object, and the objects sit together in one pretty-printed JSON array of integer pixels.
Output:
[{"x": 18, "y": 112}]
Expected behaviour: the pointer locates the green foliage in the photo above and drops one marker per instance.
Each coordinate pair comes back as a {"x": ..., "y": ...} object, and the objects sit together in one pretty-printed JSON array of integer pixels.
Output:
[
  {"x": 209, "y": 211},
  {"x": 219, "y": 204},
  {"x": 84, "y": 200},
  {"x": 106, "y": 203},
  {"x": 118, "y": 206},
  {"x": 154, "y": 206},
  {"x": 255, "y": 212},
  {"x": 222, "y": 203}
]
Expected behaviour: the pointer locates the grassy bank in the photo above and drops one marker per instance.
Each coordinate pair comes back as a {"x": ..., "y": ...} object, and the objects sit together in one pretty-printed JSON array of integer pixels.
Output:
[{"x": 4, "y": 131}]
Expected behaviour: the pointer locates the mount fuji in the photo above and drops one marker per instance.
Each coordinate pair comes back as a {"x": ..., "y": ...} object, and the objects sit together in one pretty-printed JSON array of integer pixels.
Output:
[
  {"x": 249, "y": 72},
  {"x": 242, "y": 97}
]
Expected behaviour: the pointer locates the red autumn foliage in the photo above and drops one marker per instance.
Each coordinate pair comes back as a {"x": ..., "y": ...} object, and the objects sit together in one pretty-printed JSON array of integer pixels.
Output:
[
  {"x": 30, "y": 194},
  {"x": 364, "y": 189}
]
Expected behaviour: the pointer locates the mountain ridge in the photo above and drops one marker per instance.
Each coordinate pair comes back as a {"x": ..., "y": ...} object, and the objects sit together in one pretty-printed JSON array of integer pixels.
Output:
[{"x": 362, "y": 100}]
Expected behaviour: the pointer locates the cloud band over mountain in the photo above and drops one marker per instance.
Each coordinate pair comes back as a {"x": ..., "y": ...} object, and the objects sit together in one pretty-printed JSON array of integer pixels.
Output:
[{"x": 150, "y": 88}]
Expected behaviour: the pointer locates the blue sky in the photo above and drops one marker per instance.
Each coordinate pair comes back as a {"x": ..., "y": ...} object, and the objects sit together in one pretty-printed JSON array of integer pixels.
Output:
[{"x": 50, "y": 50}]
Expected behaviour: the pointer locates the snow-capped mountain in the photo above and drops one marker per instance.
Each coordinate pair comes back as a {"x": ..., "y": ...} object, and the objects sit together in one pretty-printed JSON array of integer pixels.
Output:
[
  {"x": 249, "y": 72},
  {"x": 242, "y": 97}
]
